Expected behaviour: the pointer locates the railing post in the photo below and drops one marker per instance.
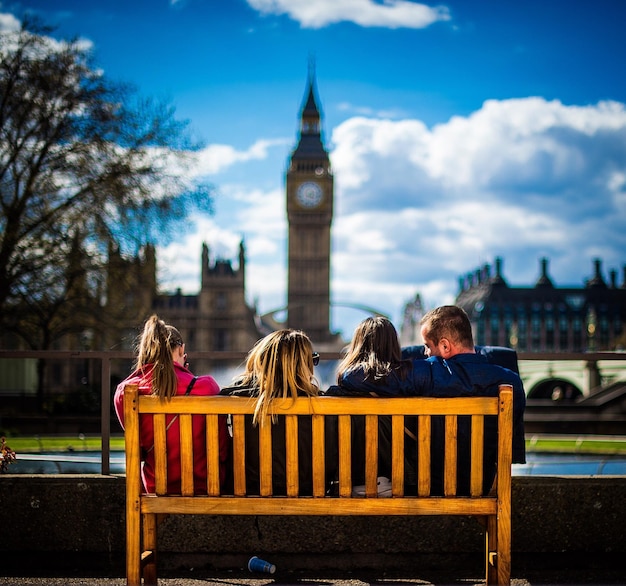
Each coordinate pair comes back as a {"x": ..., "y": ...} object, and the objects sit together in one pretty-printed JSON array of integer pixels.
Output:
[{"x": 105, "y": 413}]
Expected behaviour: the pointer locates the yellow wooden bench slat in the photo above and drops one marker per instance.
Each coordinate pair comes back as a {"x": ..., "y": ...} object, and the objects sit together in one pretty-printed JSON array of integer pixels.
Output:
[
  {"x": 476, "y": 459},
  {"x": 225, "y": 405},
  {"x": 160, "y": 454},
  {"x": 423, "y": 455},
  {"x": 291, "y": 460},
  {"x": 238, "y": 448},
  {"x": 319, "y": 455},
  {"x": 311, "y": 506}
]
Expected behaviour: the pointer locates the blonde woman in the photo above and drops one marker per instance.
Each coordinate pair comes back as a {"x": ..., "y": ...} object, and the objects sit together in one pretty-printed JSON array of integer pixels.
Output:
[
  {"x": 160, "y": 370},
  {"x": 280, "y": 365}
]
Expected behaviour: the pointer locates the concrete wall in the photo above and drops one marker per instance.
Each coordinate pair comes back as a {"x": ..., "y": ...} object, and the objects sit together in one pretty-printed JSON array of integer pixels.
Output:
[{"x": 71, "y": 517}]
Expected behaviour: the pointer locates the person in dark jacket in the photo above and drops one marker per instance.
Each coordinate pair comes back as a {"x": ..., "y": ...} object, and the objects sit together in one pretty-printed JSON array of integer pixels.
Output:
[
  {"x": 451, "y": 368},
  {"x": 374, "y": 366},
  {"x": 281, "y": 365}
]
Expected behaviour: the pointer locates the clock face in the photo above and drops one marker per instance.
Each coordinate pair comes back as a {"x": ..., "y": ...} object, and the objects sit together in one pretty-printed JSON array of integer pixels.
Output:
[{"x": 309, "y": 194}]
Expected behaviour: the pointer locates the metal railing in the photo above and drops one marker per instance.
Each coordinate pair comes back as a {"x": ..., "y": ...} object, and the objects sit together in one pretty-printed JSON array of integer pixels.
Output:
[{"x": 106, "y": 357}]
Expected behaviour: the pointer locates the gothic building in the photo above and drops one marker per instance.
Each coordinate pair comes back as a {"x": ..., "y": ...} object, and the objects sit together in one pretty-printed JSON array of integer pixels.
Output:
[
  {"x": 218, "y": 317},
  {"x": 544, "y": 317}
]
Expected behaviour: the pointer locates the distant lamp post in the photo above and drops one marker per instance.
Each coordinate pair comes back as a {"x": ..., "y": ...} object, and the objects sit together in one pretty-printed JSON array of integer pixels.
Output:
[{"x": 591, "y": 329}]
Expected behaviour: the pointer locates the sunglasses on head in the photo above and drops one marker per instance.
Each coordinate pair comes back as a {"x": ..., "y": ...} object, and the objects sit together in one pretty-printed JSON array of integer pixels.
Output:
[{"x": 316, "y": 358}]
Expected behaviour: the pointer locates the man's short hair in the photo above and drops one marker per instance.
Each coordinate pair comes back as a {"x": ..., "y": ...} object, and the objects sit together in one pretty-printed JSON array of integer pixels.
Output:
[{"x": 449, "y": 321}]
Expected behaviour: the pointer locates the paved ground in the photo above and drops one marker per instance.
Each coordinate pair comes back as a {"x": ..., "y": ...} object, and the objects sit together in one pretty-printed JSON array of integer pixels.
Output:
[
  {"x": 530, "y": 570},
  {"x": 573, "y": 576},
  {"x": 227, "y": 582}
]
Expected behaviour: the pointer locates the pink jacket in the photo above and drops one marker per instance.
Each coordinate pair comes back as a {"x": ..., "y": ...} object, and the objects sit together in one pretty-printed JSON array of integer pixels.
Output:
[{"x": 204, "y": 385}]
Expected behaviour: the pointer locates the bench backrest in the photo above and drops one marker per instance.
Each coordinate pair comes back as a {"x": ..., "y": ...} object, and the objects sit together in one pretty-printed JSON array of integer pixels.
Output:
[{"x": 452, "y": 410}]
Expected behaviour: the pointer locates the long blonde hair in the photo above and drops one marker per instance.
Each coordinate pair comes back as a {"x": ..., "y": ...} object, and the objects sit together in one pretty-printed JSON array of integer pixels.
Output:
[
  {"x": 280, "y": 365},
  {"x": 155, "y": 349},
  {"x": 375, "y": 347}
]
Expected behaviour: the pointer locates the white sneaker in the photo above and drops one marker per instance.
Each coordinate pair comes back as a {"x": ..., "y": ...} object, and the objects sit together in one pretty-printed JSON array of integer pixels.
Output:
[{"x": 384, "y": 488}]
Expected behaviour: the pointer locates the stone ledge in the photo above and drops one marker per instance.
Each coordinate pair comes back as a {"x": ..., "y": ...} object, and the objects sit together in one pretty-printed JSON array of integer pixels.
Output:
[{"x": 84, "y": 515}]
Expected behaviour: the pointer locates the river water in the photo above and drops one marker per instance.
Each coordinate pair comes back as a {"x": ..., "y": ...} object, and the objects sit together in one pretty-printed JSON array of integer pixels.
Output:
[{"x": 538, "y": 464}]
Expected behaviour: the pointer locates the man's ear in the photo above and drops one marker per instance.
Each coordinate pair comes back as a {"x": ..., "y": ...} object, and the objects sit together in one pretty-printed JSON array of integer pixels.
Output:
[{"x": 446, "y": 348}]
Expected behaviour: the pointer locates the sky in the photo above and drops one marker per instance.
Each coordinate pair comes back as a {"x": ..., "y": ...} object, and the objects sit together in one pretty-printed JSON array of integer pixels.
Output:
[{"x": 458, "y": 132}]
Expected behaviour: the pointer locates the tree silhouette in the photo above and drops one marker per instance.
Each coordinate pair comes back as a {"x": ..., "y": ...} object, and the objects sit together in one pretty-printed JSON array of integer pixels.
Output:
[{"x": 85, "y": 166}]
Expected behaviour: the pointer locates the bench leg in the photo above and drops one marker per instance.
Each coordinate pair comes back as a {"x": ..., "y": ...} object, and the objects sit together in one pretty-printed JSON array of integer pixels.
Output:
[
  {"x": 491, "y": 560},
  {"x": 504, "y": 549},
  {"x": 133, "y": 544},
  {"x": 498, "y": 551},
  {"x": 149, "y": 549}
]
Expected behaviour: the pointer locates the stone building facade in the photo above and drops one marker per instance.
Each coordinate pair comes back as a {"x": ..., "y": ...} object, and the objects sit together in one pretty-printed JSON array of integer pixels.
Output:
[{"x": 545, "y": 317}]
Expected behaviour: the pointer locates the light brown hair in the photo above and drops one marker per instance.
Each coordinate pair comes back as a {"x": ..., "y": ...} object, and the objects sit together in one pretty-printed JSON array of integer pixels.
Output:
[
  {"x": 375, "y": 347},
  {"x": 155, "y": 349}
]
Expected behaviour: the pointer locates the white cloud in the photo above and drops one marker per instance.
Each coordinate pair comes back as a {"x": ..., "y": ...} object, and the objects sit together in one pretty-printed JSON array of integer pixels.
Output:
[
  {"x": 352, "y": 109},
  {"x": 367, "y": 13},
  {"x": 8, "y": 22},
  {"x": 215, "y": 158},
  {"x": 418, "y": 207},
  {"x": 520, "y": 179}
]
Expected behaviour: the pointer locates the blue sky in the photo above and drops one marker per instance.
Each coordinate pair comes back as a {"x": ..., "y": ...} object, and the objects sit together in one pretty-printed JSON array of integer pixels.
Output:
[{"x": 458, "y": 132}]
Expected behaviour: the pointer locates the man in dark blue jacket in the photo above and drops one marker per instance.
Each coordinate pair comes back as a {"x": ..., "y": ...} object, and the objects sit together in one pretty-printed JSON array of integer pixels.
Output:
[
  {"x": 454, "y": 369},
  {"x": 451, "y": 367}
]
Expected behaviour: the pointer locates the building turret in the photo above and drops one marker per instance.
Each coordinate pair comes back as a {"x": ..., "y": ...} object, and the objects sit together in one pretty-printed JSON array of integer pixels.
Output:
[
  {"x": 544, "y": 280},
  {"x": 597, "y": 280},
  {"x": 498, "y": 279}
]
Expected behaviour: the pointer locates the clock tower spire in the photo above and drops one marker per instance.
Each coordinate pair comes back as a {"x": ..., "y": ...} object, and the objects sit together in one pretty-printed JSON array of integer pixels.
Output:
[{"x": 309, "y": 190}]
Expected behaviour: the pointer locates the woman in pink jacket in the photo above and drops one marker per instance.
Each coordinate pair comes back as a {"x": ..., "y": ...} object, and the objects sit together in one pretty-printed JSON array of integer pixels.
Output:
[{"x": 160, "y": 370}]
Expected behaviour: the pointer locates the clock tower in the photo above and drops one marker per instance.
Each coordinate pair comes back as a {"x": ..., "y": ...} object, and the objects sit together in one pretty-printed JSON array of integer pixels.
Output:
[{"x": 309, "y": 187}]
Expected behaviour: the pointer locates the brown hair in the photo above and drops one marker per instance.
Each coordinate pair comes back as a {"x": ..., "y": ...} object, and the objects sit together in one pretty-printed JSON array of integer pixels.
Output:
[
  {"x": 376, "y": 348},
  {"x": 280, "y": 365},
  {"x": 155, "y": 347},
  {"x": 449, "y": 321}
]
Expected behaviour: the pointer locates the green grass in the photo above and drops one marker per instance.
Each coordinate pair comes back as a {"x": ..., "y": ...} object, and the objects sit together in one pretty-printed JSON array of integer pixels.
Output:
[
  {"x": 538, "y": 443},
  {"x": 577, "y": 445},
  {"x": 53, "y": 443}
]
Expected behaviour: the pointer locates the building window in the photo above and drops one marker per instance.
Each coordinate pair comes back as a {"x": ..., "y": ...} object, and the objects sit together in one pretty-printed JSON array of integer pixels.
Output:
[
  {"x": 221, "y": 300},
  {"x": 535, "y": 333},
  {"x": 563, "y": 330},
  {"x": 604, "y": 333},
  {"x": 480, "y": 331},
  {"x": 221, "y": 339},
  {"x": 549, "y": 333},
  {"x": 522, "y": 330},
  {"x": 495, "y": 329},
  {"x": 577, "y": 337}
]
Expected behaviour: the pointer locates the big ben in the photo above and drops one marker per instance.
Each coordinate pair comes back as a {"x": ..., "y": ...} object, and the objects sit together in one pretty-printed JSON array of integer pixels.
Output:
[{"x": 309, "y": 188}]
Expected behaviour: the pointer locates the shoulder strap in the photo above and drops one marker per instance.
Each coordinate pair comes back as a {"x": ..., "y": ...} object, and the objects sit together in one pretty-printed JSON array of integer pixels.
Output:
[{"x": 193, "y": 382}]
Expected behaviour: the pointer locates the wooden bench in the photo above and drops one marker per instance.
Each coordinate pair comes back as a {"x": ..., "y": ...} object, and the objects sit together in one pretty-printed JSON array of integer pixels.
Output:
[{"x": 494, "y": 510}]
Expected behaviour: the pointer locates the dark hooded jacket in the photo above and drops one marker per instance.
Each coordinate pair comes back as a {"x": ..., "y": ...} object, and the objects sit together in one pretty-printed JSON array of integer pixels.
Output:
[{"x": 305, "y": 450}]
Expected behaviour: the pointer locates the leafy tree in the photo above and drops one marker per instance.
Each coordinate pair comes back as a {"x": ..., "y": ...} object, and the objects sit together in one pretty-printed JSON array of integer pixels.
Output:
[{"x": 85, "y": 166}]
